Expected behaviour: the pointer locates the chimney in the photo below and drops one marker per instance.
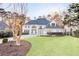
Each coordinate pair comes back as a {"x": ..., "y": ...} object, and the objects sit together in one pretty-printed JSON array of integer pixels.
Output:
[
  {"x": 34, "y": 18},
  {"x": 43, "y": 16},
  {"x": 39, "y": 17}
]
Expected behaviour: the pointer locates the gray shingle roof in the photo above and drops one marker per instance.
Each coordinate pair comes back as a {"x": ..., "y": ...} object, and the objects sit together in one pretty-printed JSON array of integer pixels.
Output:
[
  {"x": 3, "y": 25},
  {"x": 41, "y": 21}
]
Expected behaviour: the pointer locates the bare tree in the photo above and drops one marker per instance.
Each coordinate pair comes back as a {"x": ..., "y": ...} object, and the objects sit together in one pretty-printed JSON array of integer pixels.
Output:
[
  {"x": 58, "y": 19},
  {"x": 18, "y": 22},
  {"x": 15, "y": 21}
]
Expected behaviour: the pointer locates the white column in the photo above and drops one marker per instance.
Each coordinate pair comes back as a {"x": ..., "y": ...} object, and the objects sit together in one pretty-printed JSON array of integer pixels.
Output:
[
  {"x": 30, "y": 29},
  {"x": 37, "y": 30}
]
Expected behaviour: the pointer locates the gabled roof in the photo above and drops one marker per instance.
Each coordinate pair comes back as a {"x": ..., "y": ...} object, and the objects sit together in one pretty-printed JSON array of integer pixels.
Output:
[
  {"x": 3, "y": 25},
  {"x": 40, "y": 21}
]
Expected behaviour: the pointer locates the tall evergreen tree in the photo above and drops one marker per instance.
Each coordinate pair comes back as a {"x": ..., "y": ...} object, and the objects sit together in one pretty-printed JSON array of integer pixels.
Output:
[{"x": 73, "y": 14}]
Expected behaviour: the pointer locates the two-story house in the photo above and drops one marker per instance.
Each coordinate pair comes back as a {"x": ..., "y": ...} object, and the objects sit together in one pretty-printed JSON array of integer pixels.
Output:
[{"x": 41, "y": 26}]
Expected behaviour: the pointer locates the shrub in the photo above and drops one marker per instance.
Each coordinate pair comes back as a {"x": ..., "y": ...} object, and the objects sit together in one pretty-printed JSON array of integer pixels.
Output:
[
  {"x": 76, "y": 33},
  {"x": 55, "y": 33},
  {"x": 5, "y": 40},
  {"x": 1, "y": 34},
  {"x": 25, "y": 33}
]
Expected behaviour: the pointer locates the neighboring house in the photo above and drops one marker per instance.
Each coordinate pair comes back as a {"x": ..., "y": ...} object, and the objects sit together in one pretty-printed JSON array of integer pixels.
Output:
[
  {"x": 41, "y": 26},
  {"x": 3, "y": 26}
]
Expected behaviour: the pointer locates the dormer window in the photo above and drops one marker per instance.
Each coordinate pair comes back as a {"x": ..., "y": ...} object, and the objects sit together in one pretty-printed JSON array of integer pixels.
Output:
[{"x": 53, "y": 24}]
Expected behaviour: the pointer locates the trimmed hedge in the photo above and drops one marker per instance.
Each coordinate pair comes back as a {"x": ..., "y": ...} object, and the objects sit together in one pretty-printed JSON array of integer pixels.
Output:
[
  {"x": 5, "y": 34},
  {"x": 76, "y": 33},
  {"x": 54, "y": 33}
]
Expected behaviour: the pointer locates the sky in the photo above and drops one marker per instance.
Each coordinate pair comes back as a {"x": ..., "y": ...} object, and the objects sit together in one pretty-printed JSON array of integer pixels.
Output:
[{"x": 39, "y": 9}]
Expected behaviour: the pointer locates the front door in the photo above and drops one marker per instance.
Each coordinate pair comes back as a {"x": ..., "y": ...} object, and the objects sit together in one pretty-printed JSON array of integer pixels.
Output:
[{"x": 33, "y": 32}]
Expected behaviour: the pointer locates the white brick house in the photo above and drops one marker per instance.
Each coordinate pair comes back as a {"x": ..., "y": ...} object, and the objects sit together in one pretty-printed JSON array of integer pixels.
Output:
[{"x": 41, "y": 26}]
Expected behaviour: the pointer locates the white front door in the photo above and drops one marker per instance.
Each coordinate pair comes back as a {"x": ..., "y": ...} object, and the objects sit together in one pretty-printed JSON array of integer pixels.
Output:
[{"x": 33, "y": 32}]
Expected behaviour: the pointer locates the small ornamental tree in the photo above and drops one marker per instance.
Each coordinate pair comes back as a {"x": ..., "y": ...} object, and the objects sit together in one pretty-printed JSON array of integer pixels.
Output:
[{"x": 16, "y": 22}]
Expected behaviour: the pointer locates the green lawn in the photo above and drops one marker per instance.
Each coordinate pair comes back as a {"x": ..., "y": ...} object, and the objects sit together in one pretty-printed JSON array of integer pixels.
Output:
[{"x": 50, "y": 46}]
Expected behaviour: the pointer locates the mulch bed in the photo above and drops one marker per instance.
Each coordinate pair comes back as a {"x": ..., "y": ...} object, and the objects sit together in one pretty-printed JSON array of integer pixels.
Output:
[{"x": 10, "y": 49}]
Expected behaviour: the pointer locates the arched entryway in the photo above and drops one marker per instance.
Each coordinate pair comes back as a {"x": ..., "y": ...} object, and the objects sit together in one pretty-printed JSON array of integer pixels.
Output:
[{"x": 34, "y": 31}]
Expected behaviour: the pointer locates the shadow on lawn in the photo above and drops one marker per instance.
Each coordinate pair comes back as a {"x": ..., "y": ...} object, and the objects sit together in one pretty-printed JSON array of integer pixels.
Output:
[
  {"x": 76, "y": 36},
  {"x": 56, "y": 35}
]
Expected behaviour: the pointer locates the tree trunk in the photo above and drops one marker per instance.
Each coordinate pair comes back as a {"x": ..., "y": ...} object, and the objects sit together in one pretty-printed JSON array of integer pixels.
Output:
[
  {"x": 16, "y": 37},
  {"x": 19, "y": 36}
]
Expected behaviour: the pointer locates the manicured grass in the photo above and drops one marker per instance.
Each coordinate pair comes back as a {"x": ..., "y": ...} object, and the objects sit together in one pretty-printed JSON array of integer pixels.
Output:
[{"x": 56, "y": 45}]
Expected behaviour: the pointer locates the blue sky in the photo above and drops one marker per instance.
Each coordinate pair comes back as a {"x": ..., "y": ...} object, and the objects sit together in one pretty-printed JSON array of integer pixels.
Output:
[{"x": 40, "y": 9}]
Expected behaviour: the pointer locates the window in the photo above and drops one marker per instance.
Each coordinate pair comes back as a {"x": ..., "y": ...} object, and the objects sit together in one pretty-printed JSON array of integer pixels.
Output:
[
  {"x": 26, "y": 26},
  {"x": 40, "y": 27},
  {"x": 53, "y": 24},
  {"x": 26, "y": 31},
  {"x": 33, "y": 26}
]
